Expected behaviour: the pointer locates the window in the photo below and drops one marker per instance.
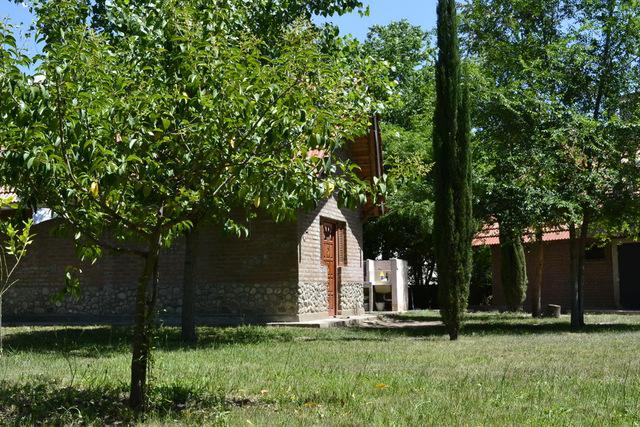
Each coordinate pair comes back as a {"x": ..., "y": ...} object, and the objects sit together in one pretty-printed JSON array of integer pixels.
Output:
[
  {"x": 594, "y": 253},
  {"x": 341, "y": 244}
]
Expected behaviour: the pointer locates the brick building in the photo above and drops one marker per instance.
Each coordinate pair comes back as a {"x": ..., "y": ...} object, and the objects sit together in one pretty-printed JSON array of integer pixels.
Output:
[
  {"x": 612, "y": 272},
  {"x": 304, "y": 269}
]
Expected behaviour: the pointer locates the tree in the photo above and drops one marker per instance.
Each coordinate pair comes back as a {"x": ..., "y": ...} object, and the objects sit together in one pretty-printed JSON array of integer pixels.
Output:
[
  {"x": 268, "y": 22},
  {"x": 13, "y": 249},
  {"x": 510, "y": 43},
  {"x": 15, "y": 237},
  {"x": 407, "y": 48},
  {"x": 513, "y": 185},
  {"x": 513, "y": 267},
  {"x": 136, "y": 138},
  {"x": 601, "y": 185},
  {"x": 405, "y": 230},
  {"x": 453, "y": 222},
  {"x": 601, "y": 66},
  {"x": 575, "y": 58}
]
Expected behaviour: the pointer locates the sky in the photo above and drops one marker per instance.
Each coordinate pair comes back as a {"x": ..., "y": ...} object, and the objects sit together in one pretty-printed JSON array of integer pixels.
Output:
[
  {"x": 20, "y": 17},
  {"x": 418, "y": 12}
]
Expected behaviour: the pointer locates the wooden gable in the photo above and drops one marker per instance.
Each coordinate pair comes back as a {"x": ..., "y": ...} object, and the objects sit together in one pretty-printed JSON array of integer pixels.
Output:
[{"x": 366, "y": 152}]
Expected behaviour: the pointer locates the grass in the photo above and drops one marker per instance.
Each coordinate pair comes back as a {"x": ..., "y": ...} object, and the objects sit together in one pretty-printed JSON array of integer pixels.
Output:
[{"x": 505, "y": 370}]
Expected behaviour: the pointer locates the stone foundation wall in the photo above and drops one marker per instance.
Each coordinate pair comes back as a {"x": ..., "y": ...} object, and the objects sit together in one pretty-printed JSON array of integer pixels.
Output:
[
  {"x": 107, "y": 303},
  {"x": 249, "y": 278},
  {"x": 352, "y": 297},
  {"x": 215, "y": 303},
  {"x": 256, "y": 301},
  {"x": 312, "y": 298}
]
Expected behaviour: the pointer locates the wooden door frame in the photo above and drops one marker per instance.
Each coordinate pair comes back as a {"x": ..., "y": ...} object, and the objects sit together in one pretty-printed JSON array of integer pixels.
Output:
[{"x": 336, "y": 269}]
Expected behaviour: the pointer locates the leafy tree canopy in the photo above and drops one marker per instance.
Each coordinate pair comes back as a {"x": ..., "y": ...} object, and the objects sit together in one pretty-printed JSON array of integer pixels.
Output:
[
  {"x": 172, "y": 114},
  {"x": 405, "y": 230}
]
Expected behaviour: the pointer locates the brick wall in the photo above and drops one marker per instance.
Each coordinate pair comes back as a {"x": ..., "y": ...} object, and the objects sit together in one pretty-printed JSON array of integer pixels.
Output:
[
  {"x": 598, "y": 286},
  {"x": 239, "y": 279},
  {"x": 251, "y": 279},
  {"x": 248, "y": 279},
  {"x": 107, "y": 286}
]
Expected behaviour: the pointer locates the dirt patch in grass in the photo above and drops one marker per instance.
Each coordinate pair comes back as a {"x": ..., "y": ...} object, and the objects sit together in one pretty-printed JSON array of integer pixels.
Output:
[{"x": 399, "y": 322}]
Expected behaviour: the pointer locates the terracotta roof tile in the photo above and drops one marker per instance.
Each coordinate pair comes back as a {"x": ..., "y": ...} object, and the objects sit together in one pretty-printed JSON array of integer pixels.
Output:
[
  {"x": 6, "y": 192},
  {"x": 490, "y": 236}
]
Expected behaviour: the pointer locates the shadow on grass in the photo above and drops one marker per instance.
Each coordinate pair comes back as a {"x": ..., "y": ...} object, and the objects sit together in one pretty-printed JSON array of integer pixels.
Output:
[
  {"x": 496, "y": 328},
  {"x": 104, "y": 340},
  {"x": 79, "y": 341},
  {"x": 474, "y": 316},
  {"x": 414, "y": 317},
  {"x": 46, "y": 404},
  {"x": 95, "y": 342}
]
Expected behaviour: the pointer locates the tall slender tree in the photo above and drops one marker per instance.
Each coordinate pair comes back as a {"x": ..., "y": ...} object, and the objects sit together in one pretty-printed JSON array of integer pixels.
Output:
[
  {"x": 453, "y": 223},
  {"x": 513, "y": 268}
]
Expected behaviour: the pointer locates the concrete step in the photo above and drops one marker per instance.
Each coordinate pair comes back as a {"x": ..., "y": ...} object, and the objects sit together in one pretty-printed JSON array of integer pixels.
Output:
[{"x": 330, "y": 322}]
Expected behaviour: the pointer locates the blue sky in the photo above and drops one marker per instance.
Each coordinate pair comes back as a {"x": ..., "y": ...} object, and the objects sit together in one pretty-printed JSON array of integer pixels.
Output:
[
  {"x": 20, "y": 17},
  {"x": 418, "y": 12}
]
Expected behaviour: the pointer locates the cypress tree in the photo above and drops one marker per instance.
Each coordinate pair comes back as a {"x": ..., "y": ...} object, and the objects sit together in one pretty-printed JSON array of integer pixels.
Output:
[
  {"x": 513, "y": 268},
  {"x": 453, "y": 224}
]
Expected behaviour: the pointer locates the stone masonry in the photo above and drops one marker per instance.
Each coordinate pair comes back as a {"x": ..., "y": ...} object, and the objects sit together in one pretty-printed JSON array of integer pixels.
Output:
[
  {"x": 352, "y": 298},
  {"x": 312, "y": 298}
]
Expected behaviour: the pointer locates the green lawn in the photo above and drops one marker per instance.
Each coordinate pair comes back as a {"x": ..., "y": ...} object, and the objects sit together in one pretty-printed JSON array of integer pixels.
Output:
[{"x": 505, "y": 370}]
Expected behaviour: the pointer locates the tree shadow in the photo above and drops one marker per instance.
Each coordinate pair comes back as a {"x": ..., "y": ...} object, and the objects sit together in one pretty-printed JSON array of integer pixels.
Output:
[
  {"x": 512, "y": 328},
  {"x": 47, "y": 404},
  {"x": 471, "y": 316},
  {"x": 494, "y": 328},
  {"x": 76, "y": 341},
  {"x": 94, "y": 342},
  {"x": 414, "y": 317}
]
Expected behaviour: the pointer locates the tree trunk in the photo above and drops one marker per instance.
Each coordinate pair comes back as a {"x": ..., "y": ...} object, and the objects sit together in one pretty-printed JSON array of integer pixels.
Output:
[
  {"x": 430, "y": 271},
  {"x": 141, "y": 346},
  {"x": 1, "y": 331},
  {"x": 573, "y": 275},
  {"x": 513, "y": 268},
  {"x": 536, "y": 285},
  {"x": 577, "y": 248},
  {"x": 605, "y": 61},
  {"x": 189, "y": 335},
  {"x": 582, "y": 245}
]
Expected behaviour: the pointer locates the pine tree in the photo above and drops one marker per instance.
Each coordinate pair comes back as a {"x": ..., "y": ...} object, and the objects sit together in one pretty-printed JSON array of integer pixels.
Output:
[{"x": 453, "y": 224}]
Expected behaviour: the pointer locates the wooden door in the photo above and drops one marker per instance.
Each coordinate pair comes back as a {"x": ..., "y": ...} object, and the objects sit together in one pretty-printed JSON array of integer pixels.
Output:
[
  {"x": 629, "y": 271},
  {"x": 328, "y": 230}
]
